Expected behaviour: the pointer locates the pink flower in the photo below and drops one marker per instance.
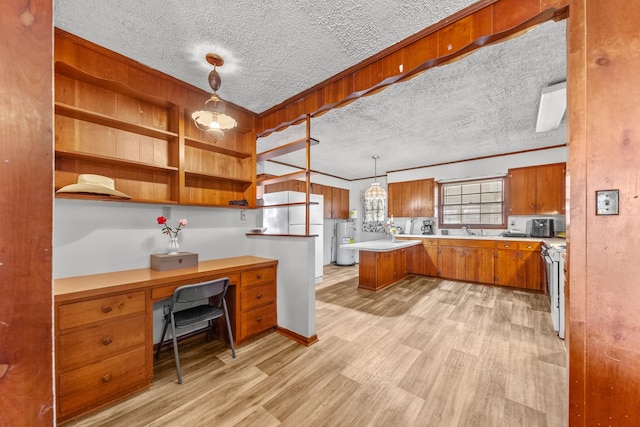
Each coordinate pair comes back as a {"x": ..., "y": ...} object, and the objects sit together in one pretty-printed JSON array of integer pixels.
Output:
[{"x": 168, "y": 230}]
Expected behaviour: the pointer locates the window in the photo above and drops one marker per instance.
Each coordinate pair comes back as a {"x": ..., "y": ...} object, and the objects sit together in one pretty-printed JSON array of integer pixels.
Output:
[{"x": 478, "y": 202}]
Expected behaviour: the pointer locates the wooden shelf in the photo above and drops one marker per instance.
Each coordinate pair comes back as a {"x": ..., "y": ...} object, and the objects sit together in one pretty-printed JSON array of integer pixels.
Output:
[
  {"x": 113, "y": 160},
  {"x": 283, "y": 205},
  {"x": 67, "y": 70},
  {"x": 213, "y": 177},
  {"x": 282, "y": 178},
  {"x": 297, "y": 145},
  {"x": 108, "y": 121},
  {"x": 210, "y": 146},
  {"x": 104, "y": 197}
]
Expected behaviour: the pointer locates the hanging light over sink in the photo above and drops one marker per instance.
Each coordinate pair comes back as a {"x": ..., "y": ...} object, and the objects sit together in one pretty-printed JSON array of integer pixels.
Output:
[{"x": 213, "y": 119}]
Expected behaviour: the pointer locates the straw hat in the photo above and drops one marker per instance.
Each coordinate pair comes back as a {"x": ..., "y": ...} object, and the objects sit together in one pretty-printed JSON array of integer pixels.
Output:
[{"x": 97, "y": 184}]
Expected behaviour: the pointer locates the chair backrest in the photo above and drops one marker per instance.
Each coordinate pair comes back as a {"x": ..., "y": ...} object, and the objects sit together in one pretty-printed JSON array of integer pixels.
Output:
[{"x": 198, "y": 291}]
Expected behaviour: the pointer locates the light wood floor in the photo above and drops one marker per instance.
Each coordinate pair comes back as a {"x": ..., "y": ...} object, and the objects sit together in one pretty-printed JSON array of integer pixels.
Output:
[{"x": 425, "y": 352}]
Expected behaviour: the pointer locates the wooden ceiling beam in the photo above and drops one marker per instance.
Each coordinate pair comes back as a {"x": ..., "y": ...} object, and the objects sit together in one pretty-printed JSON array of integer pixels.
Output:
[{"x": 483, "y": 23}]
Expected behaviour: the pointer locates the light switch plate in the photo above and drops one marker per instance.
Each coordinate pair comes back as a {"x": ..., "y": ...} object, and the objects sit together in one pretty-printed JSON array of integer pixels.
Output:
[{"x": 607, "y": 202}]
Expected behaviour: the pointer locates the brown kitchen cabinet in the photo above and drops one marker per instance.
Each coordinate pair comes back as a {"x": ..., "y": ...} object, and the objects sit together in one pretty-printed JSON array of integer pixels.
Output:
[
  {"x": 411, "y": 198},
  {"x": 518, "y": 264},
  {"x": 336, "y": 202},
  {"x": 416, "y": 257},
  {"x": 432, "y": 257},
  {"x": 537, "y": 190},
  {"x": 468, "y": 260},
  {"x": 377, "y": 270}
]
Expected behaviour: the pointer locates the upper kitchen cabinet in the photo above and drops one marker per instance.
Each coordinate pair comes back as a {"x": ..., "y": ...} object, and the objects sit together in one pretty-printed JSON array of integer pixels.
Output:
[
  {"x": 412, "y": 198},
  {"x": 537, "y": 190},
  {"x": 117, "y": 118}
]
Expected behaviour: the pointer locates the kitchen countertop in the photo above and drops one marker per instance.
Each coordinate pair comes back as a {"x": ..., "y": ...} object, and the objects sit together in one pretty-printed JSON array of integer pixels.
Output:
[
  {"x": 382, "y": 245},
  {"x": 552, "y": 241}
]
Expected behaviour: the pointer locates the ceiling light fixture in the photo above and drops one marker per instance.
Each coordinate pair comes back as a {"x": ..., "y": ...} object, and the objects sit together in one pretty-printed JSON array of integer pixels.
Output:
[
  {"x": 375, "y": 192},
  {"x": 213, "y": 119}
]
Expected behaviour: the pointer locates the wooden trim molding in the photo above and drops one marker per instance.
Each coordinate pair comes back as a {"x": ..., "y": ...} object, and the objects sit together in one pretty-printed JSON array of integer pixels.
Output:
[
  {"x": 307, "y": 341},
  {"x": 481, "y": 24}
]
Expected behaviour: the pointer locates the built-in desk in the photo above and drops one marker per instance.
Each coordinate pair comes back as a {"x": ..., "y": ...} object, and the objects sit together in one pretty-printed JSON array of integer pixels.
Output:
[{"x": 104, "y": 324}]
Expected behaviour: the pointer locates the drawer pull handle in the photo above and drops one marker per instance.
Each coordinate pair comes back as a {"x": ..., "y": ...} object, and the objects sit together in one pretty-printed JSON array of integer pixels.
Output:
[
  {"x": 107, "y": 341},
  {"x": 259, "y": 296},
  {"x": 106, "y": 378},
  {"x": 106, "y": 308},
  {"x": 259, "y": 319}
]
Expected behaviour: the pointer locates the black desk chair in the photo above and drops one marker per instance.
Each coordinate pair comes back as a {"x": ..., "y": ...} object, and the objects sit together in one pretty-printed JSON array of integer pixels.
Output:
[{"x": 181, "y": 317}]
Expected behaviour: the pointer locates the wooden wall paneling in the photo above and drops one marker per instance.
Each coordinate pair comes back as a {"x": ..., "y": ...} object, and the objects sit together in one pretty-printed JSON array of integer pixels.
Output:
[
  {"x": 604, "y": 328},
  {"x": 26, "y": 200}
]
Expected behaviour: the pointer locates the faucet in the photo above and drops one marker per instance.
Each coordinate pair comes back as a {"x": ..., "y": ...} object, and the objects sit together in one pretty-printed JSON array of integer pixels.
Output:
[{"x": 468, "y": 230}]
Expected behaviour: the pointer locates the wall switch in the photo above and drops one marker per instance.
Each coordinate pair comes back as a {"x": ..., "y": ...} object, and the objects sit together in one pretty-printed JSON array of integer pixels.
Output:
[
  {"x": 166, "y": 212},
  {"x": 243, "y": 215},
  {"x": 607, "y": 202}
]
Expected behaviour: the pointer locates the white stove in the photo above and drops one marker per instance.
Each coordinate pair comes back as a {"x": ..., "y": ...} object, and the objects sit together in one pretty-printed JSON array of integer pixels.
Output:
[{"x": 553, "y": 257}]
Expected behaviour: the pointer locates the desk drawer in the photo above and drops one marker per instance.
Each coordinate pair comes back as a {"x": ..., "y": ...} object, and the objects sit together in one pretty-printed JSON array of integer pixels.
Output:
[
  {"x": 100, "y": 309},
  {"x": 261, "y": 275},
  {"x": 90, "y": 344},
  {"x": 257, "y": 296},
  {"x": 86, "y": 387},
  {"x": 166, "y": 291},
  {"x": 258, "y": 320}
]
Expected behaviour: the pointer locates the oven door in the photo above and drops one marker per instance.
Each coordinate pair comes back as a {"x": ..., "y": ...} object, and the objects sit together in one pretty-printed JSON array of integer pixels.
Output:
[{"x": 551, "y": 276}]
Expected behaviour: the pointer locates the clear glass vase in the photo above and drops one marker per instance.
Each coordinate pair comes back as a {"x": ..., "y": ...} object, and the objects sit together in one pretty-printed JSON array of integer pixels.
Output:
[{"x": 173, "y": 245}]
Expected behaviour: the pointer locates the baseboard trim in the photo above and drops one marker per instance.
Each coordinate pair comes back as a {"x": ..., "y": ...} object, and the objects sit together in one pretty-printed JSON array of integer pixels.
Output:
[{"x": 307, "y": 341}]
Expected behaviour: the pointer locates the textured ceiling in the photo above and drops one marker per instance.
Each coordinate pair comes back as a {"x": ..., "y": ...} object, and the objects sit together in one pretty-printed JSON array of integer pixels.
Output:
[{"x": 483, "y": 105}]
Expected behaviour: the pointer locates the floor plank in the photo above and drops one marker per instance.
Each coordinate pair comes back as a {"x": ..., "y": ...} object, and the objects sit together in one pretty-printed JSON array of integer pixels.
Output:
[{"x": 424, "y": 352}]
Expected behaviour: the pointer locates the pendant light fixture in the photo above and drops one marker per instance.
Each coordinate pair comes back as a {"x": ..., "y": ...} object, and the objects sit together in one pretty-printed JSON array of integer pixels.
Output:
[
  {"x": 375, "y": 192},
  {"x": 213, "y": 119}
]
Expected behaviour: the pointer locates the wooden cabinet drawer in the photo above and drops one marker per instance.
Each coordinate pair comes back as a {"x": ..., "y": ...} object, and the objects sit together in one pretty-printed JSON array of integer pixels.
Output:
[
  {"x": 507, "y": 244},
  {"x": 258, "y": 320},
  {"x": 163, "y": 292},
  {"x": 256, "y": 296},
  {"x": 100, "y": 309},
  {"x": 89, "y": 386},
  {"x": 261, "y": 275},
  {"x": 100, "y": 342},
  {"x": 430, "y": 242},
  {"x": 529, "y": 246},
  {"x": 467, "y": 243}
]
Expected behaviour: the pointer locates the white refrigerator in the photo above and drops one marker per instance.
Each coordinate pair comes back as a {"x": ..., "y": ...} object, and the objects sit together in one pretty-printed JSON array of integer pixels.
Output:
[{"x": 291, "y": 219}]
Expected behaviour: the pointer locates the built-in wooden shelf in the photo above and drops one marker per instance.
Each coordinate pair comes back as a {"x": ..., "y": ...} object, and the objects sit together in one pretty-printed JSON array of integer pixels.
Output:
[
  {"x": 210, "y": 146},
  {"x": 64, "y": 69},
  {"x": 79, "y": 155},
  {"x": 282, "y": 178},
  {"x": 104, "y": 197},
  {"x": 213, "y": 177},
  {"x": 284, "y": 205},
  {"x": 296, "y": 145},
  {"x": 112, "y": 122}
]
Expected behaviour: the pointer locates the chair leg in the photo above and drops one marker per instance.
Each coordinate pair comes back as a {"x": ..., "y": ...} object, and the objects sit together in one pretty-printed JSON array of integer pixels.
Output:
[
  {"x": 175, "y": 352},
  {"x": 226, "y": 320},
  {"x": 164, "y": 331}
]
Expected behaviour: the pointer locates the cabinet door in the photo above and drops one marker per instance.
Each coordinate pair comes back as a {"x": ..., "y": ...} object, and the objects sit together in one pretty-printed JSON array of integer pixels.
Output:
[
  {"x": 423, "y": 198},
  {"x": 550, "y": 189},
  {"x": 506, "y": 267},
  {"x": 317, "y": 189},
  {"x": 400, "y": 263},
  {"x": 394, "y": 199},
  {"x": 343, "y": 210},
  {"x": 452, "y": 262},
  {"x": 327, "y": 196},
  {"x": 432, "y": 261},
  {"x": 530, "y": 270},
  {"x": 479, "y": 265},
  {"x": 416, "y": 259},
  {"x": 385, "y": 269},
  {"x": 522, "y": 191}
]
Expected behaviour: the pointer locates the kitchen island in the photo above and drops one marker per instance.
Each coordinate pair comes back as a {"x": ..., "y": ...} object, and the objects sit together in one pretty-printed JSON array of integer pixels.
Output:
[{"x": 382, "y": 262}]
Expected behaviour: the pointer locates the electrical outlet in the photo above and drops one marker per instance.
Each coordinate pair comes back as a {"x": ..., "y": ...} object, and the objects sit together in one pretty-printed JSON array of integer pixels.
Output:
[
  {"x": 243, "y": 215},
  {"x": 166, "y": 212},
  {"x": 607, "y": 202}
]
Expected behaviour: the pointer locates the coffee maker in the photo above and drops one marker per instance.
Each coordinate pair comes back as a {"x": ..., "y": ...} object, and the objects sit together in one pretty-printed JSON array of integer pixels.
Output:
[
  {"x": 427, "y": 226},
  {"x": 541, "y": 228}
]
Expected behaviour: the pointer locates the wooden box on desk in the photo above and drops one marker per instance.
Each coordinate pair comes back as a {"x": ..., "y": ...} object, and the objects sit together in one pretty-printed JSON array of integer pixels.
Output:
[{"x": 162, "y": 262}]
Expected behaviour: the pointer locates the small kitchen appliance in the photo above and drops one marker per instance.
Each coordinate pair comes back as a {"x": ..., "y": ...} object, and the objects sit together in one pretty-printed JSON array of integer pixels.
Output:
[
  {"x": 541, "y": 227},
  {"x": 427, "y": 226}
]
